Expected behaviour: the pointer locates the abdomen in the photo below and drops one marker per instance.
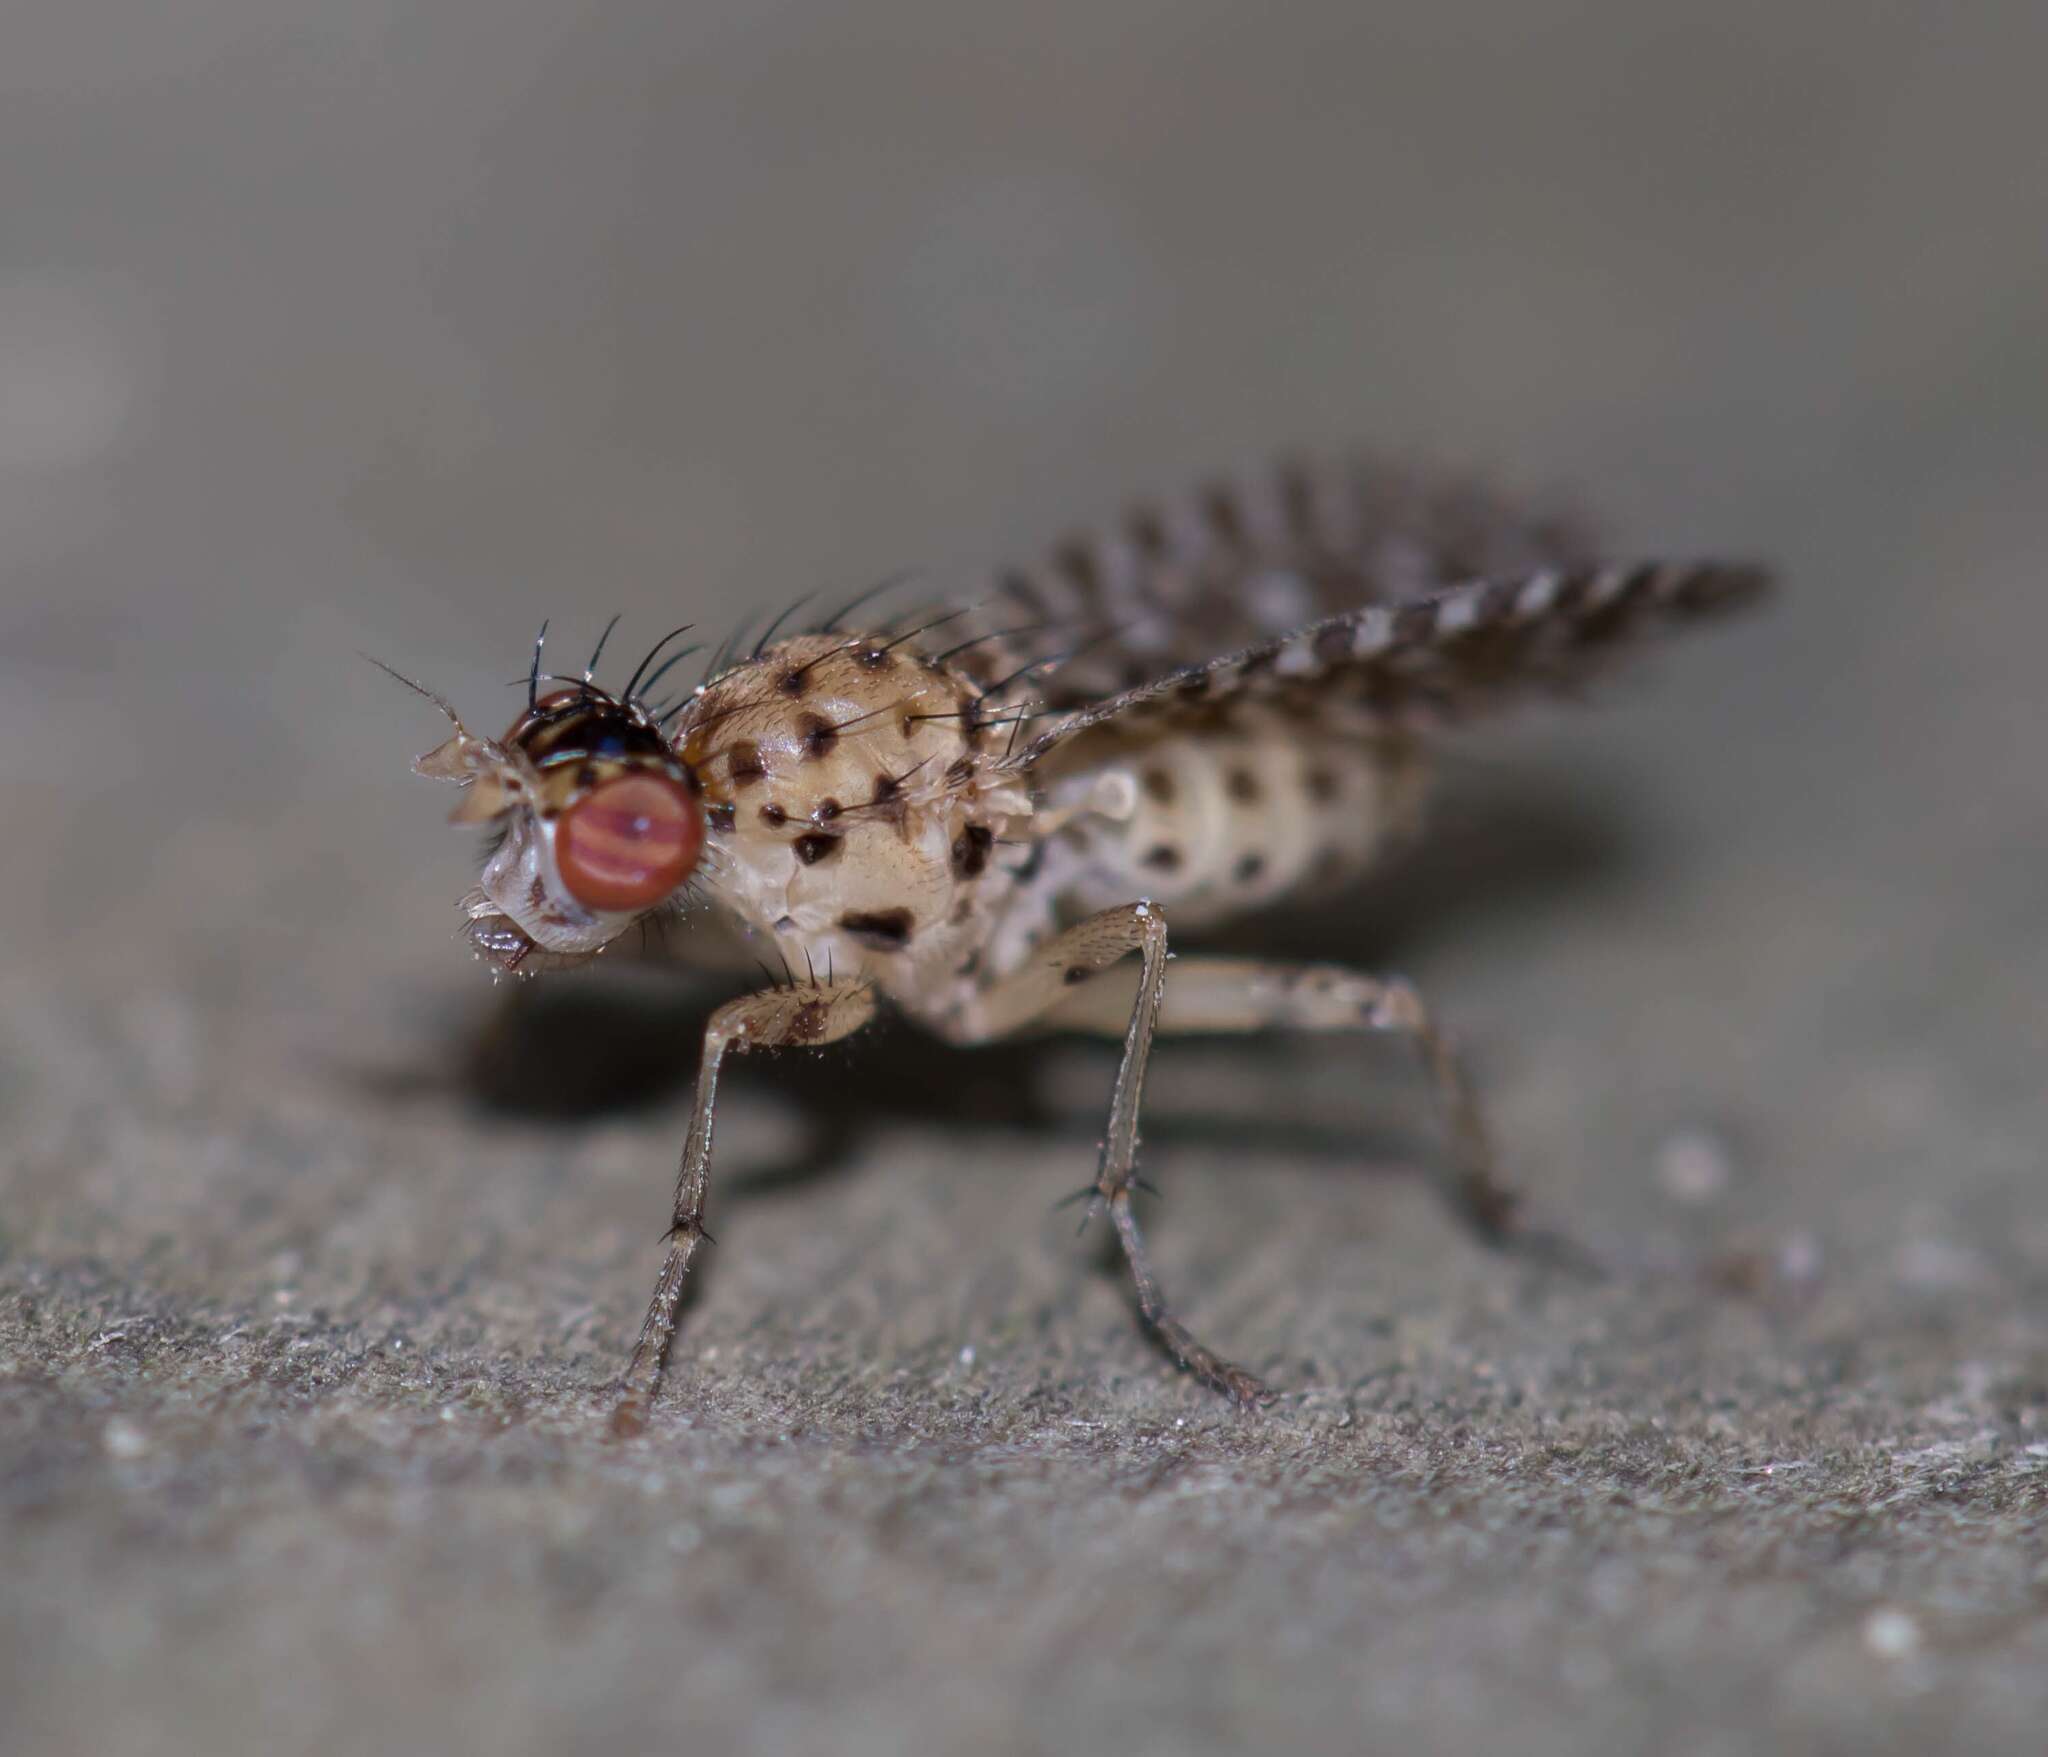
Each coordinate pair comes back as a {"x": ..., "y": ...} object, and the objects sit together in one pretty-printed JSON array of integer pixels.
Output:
[{"x": 1225, "y": 821}]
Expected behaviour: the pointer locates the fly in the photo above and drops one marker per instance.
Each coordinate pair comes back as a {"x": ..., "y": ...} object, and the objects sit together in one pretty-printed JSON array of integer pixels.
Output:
[{"x": 975, "y": 813}]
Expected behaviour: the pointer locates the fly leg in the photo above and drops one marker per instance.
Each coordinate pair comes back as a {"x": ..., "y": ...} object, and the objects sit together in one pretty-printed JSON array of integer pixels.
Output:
[
  {"x": 776, "y": 1018},
  {"x": 1060, "y": 968},
  {"x": 1228, "y": 995}
]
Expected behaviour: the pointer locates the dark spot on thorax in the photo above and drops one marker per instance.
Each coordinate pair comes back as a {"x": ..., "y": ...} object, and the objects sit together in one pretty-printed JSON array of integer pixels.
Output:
[
  {"x": 813, "y": 848},
  {"x": 743, "y": 764},
  {"x": 1162, "y": 857},
  {"x": 807, "y": 1023},
  {"x": 773, "y": 815},
  {"x": 719, "y": 817},
  {"x": 818, "y": 735},
  {"x": 886, "y": 930},
  {"x": 1159, "y": 787},
  {"x": 970, "y": 850}
]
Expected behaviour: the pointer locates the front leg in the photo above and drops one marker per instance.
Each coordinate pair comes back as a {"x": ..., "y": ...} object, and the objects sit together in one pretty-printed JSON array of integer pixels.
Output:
[
  {"x": 776, "y": 1018},
  {"x": 1025, "y": 997}
]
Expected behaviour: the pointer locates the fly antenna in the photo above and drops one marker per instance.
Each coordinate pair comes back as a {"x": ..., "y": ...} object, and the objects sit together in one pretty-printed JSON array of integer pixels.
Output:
[{"x": 440, "y": 701}]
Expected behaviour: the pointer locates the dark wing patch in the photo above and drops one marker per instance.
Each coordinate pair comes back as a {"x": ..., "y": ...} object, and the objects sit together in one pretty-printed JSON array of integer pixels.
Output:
[{"x": 1434, "y": 657}]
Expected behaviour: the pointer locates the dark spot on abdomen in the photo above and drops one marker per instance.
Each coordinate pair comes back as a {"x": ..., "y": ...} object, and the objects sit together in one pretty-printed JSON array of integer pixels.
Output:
[{"x": 887, "y": 930}]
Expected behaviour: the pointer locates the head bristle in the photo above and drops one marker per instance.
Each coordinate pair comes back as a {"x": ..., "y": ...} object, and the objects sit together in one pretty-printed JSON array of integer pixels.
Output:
[
  {"x": 597, "y": 653},
  {"x": 533, "y": 673}
]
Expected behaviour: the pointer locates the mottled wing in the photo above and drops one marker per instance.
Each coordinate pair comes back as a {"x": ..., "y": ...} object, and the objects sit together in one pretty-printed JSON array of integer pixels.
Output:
[
  {"x": 1241, "y": 561},
  {"x": 1434, "y": 657}
]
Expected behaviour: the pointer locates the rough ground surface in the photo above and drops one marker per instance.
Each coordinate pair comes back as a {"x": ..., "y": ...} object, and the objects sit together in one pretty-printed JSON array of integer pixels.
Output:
[{"x": 401, "y": 331}]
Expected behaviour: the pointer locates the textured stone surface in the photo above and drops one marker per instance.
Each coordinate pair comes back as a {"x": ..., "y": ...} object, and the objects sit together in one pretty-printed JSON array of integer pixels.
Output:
[{"x": 365, "y": 327}]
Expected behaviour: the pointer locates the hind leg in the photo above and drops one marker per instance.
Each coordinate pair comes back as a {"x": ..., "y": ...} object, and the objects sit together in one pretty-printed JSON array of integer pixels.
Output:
[
  {"x": 1230, "y": 995},
  {"x": 1066, "y": 966}
]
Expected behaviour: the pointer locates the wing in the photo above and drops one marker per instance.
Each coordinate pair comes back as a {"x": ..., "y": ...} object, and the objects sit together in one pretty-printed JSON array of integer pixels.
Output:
[
  {"x": 1435, "y": 657},
  {"x": 1363, "y": 592},
  {"x": 1245, "y": 560}
]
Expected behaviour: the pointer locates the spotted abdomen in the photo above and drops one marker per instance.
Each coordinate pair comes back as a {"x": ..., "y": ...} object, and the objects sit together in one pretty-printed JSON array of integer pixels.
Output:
[{"x": 1219, "y": 822}]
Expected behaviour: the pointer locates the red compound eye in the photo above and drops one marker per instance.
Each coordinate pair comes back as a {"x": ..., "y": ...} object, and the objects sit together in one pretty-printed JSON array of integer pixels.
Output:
[{"x": 630, "y": 843}]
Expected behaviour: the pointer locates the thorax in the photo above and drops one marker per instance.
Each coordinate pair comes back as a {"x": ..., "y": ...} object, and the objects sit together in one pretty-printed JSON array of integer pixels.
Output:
[{"x": 854, "y": 817}]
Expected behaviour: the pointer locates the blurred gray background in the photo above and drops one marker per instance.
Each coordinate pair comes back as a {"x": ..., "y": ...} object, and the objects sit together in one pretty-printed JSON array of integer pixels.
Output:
[{"x": 393, "y": 327}]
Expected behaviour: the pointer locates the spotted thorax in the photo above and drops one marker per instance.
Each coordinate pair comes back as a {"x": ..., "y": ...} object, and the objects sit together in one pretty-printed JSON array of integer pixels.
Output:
[{"x": 972, "y": 814}]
